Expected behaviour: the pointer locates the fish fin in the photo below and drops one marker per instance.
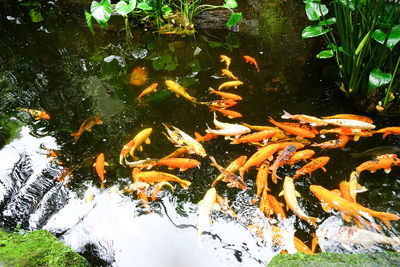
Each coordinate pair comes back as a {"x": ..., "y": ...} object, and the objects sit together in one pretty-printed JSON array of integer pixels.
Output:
[
  {"x": 106, "y": 163},
  {"x": 89, "y": 130},
  {"x": 183, "y": 169},
  {"x": 177, "y": 95},
  {"x": 313, "y": 221},
  {"x": 286, "y": 115},
  {"x": 147, "y": 141},
  {"x": 326, "y": 207},
  {"x": 323, "y": 168},
  {"x": 281, "y": 194},
  {"x": 387, "y": 170},
  {"x": 94, "y": 164},
  {"x": 287, "y": 206},
  {"x": 141, "y": 148},
  {"x": 170, "y": 168},
  {"x": 216, "y": 206},
  {"x": 356, "y": 138},
  {"x": 270, "y": 158},
  {"x": 297, "y": 194},
  {"x": 75, "y": 134},
  {"x": 102, "y": 186},
  {"x": 104, "y": 171}
]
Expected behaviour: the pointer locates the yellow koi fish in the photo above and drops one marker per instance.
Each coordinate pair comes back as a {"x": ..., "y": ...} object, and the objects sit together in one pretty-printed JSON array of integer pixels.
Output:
[
  {"x": 180, "y": 91},
  {"x": 233, "y": 84}
]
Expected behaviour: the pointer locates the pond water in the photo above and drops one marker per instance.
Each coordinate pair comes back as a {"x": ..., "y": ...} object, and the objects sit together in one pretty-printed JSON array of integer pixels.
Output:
[{"x": 59, "y": 67}]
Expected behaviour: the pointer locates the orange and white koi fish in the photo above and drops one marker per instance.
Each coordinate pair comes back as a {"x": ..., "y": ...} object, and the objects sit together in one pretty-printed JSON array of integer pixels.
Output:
[
  {"x": 139, "y": 139},
  {"x": 331, "y": 144},
  {"x": 385, "y": 162},
  {"x": 233, "y": 84},
  {"x": 204, "y": 138},
  {"x": 301, "y": 155},
  {"x": 228, "y": 176},
  {"x": 142, "y": 195},
  {"x": 278, "y": 239},
  {"x": 354, "y": 186},
  {"x": 182, "y": 163},
  {"x": 152, "y": 177},
  {"x": 148, "y": 90},
  {"x": 389, "y": 130},
  {"x": 226, "y": 59},
  {"x": 226, "y": 95},
  {"x": 125, "y": 150},
  {"x": 290, "y": 195},
  {"x": 87, "y": 126},
  {"x": 178, "y": 153},
  {"x": 228, "y": 129},
  {"x": 206, "y": 206},
  {"x": 313, "y": 121},
  {"x": 229, "y": 74},
  {"x": 251, "y": 61},
  {"x": 99, "y": 165},
  {"x": 157, "y": 189},
  {"x": 36, "y": 113},
  {"x": 261, "y": 180},
  {"x": 276, "y": 207},
  {"x": 357, "y": 133},
  {"x": 180, "y": 91},
  {"x": 231, "y": 114},
  {"x": 179, "y": 138},
  {"x": 232, "y": 168},
  {"x": 255, "y": 137},
  {"x": 293, "y": 130},
  {"x": 351, "y": 123},
  {"x": 138, "y": 76},
  {"x": 144, "y": 163},
  {"x": 312, "y": 166},
  {"x": 350, "y": 117},
  {"x": 282, "y": 159},
  {"x": 330, "y": 201},
  {"x": 223, "y": 103}
]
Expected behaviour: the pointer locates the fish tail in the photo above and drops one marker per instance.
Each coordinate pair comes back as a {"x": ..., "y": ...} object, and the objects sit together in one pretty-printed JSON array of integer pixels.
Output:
[
  {"x": 387, "y": 217},
  {"x": 211, "y": 90},
  {"x": 313, "y": 221},
  {"x": 185, "y": 184},
  {"x": 385, "y": 134},
  {"x": 286, "y": 115}
]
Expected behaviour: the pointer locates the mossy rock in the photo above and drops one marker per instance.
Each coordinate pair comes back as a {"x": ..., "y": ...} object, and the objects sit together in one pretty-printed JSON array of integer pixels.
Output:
[
  {"x": 37, "y": 248},
  {"x": 335, "y": 259}
]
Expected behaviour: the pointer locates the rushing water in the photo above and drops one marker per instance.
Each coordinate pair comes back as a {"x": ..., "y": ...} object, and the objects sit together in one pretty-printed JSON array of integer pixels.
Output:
[{"x": 58, "y": 66}]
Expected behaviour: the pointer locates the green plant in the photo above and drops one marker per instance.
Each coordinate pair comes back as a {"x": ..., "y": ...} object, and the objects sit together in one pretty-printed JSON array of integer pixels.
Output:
[{"x": 361, "y": 36}]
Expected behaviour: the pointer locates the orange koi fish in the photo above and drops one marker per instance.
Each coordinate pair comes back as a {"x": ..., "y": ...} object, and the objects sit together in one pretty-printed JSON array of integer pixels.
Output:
[
  {"x": 357, "y": 133},
  {"x": 254, "y": 137},
  {"x": 36, "y": 113},
  {"x": 331, "y": 144},
  {"x": 301, "y": 155},
  {"x": 385, "y": 162},
  {"x": 65, "y": 172},
  {"x": 389, "y": 130},
  {"x": 228, "y": 176},
  {"x": 226, "y": 59},
  {"x": 278, "y": 240},
  {"x": 157, "y": 189},
  {"x": 152, "y": 177},
  {"x": 251, "y": 61},
  {"x": 182, "y": 163},
  {"x": 261, "y": 180},
  {"x": 224, "y": 103},
  {"x": 138, "y": 76},
  {"x": 350, "y": 117},
  {"x": 313, "y": 121},
  {"x": 204, "y": 138},
  {"x": 276, "y": 207},
  {"x": 330, "y": 201},
  {"x": 278, "y": 135},
  {"x": 144, "y": 163},
  {"x": 87, "y": 126},
  {"x": 99, "y": 165},
  {"x": 232, "y": 168},
  {"x": 283, "y": 158},
  {"x": 229, "y": 74},
  {"x": 265, "y": 206},
  {"x": 293, "y": 130},
  {"x": 126, "y": 148},
  {"x": 148, "y": 90},
  {"x": 233, "y": 84},
  {"x": 178, "y": 153},
  {"x": 142, "y": 195},
  {"x": 53, "y": 155},
  {"x": 302, "y": 126},
  {"x": 228, "y": 113},
  {"x": 226, "y": 95},
  {"x": 312, "y": 166}
]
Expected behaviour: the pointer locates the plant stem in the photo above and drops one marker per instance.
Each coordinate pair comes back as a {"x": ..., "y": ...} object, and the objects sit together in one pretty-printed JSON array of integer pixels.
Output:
[{"x": 389, "y": 90}]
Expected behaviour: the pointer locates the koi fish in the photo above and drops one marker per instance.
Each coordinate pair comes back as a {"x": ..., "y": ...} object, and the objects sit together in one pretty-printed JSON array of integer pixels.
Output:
[
  {"x": 204, "y": 138},
  {"x": 357, "y": 133},
  {"x": 224, "y": 103},
  {"x": 142, "y": 195},
  {"x": 265, "y": 206},
  {"x": 206, "y": 206},
  {"x": 182, "y": 163},
  {"x": 178, "y": 153},
  {"x": 278, "y": 239},
  {"x": 157, "y": 189},
  {"x": 228, "y": 129},
  {"x": 350, "y": 117},
  {"x": 293, "y": 130},
  {"x": 229, "y": 74},
  {"x": 251, "y": 60},
  {"x": 261, "y": 180},
  {"x": 331, "y": 144},
  {"x": 312, "y": 166},
  {"x": 276, "y": 207},
  {"x": 385, "y": 162},
  {"x": 180, "y": 91},
  {"x": 278, "y": 135},
  {"x": 330, "y": 201},
  {"x": 290, "y": 195},
  {"x": 138, "y": 140},
  {"x": 254, "y": 137},
  {"x": 179, "y": 138},
  {"x": 148, "y": 90},
  {"x": 152, "y": 177},
  {"x": 125, "y": 150},
  {"x": 99, "y": 165},
  {"x": 313, "y": 121},
  {"x": 351, "y": 123},
  {"x": 233, "y": 84},
  {"x": 228, "y": 113},
  {"x": 232, "y": 179},
  {"x": 87, "y": 126},
  {"x": 226, "y": 59},
  {"x": 53, "y": 155},
  {"x": 354, "y": 186},
  {"x": 301, "y": 155},
  {"x": 389, "y": 130},
  {"x": 138, "y": 76},
  {"x": 223, "y": 204},
  {"x": 226, "y": 95},
  {"x": 232, "y": 168},
  {"x": 36, "y": 113},
  {"x": 64, "y": 173},
  {"x": 144, "y": 163},
  {"x": 283, "y": 158}
]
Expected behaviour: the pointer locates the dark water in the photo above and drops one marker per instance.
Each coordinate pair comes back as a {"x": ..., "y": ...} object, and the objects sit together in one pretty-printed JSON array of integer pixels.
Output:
[{"x": 59, "y": 67}]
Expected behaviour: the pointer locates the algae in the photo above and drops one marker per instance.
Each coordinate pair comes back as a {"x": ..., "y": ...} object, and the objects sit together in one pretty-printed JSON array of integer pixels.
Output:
[{"x": 37, "y": 248}]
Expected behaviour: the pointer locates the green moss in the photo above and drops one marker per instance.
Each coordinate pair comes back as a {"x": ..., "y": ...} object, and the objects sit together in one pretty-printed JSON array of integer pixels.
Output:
[
  {"x": 37, "y": 248},
  {"x": 334, "y": 259}
]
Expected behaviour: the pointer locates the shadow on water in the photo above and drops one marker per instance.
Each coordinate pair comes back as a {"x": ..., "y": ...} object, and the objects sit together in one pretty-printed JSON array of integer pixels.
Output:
[{"x": 58, "y": 66}]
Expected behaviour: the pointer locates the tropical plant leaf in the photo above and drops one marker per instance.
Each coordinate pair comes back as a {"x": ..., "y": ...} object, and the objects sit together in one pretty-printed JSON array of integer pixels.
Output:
[
  {"x": 88, "y": 18},
  {"x": 166, "y": 10},
  {"x": 314, "y": 31},
  {"x": 326, "y": 54},
  {"x": 214, "y": 44},
  {"x": 377, "y": 78},
  {"x": 101, "y": 11},
  {"x": 315, "y": 10},
  {"x": 351, "y": 3},
  {"x": 394, "y": 36},
  {"x": 230, "y": 4},
  {"x": 234, "y": 19},
  {"x": 144, "y": 6},
  {"x": 329, "y": 21},
  {"x": 189, "y": 81},
  {"x": 123, "y": 8},
  {"x": 195, "y": 65},
  {"x": 36, "y": 16}
]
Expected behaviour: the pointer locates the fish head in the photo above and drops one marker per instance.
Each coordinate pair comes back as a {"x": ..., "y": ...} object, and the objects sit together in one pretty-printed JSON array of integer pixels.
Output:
[{"x": 198, "y": 149}]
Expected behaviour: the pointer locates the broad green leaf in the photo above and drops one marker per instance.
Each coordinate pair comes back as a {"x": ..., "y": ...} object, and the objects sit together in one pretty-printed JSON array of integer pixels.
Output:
[
  {"x": 171, "y": 47},
  {"x": 377, "y": 78},
  {"x": 334, "y": 47},
  {"x": 35, "y": 15},
  {"x": 230, "y": 4},
  {"x": 234, "y": 19},
  {"x": 158, "y": 64},
  {"x": 88, "y": 17},
  {"x": 351, "y": 3},
  {"x": 329, "y": 21},
  {"x": 315, "y": 10},
  {"x": 166, "y": 10},
  {"x": 214, "y": 44},
  {"x": 326, "y": 54},
  {"x": 144, "y": 6},
  {"x": 101, "y": 11},
  {"x": 189, "y": 81},
  {"x": 123, "y": 8},
  {"x": 394, "y": 36},
  {"x": 195, "y": 65},
  {"x": 313, "y": 31},
  {"x": 171, "y": 66}
]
